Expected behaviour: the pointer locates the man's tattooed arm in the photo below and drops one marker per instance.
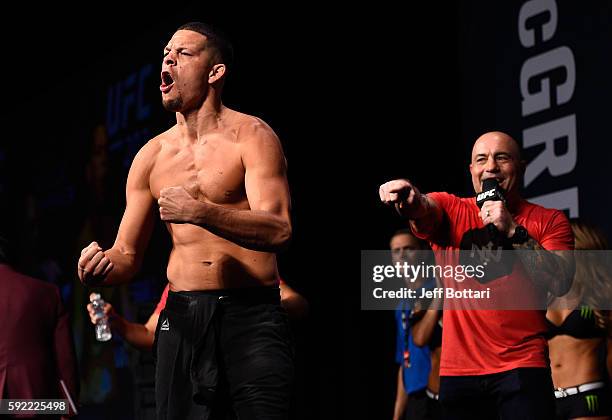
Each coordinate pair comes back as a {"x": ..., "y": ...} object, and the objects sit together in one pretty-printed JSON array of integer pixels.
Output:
[{"x": 552, "y": 271}]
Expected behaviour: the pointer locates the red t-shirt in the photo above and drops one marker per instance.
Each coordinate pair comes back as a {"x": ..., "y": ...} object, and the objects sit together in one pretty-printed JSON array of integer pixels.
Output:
[{"x": 480, "y": 342}]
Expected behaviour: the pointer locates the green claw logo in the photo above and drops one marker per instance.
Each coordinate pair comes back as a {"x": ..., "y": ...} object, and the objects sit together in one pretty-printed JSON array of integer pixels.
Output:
[
  {"x": 592, "y": 403},
  {"x": 586, "y": 312}
]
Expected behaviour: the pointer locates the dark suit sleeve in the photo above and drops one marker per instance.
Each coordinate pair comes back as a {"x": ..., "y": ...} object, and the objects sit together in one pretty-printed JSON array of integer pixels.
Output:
[{"x": 64, "y": 351}]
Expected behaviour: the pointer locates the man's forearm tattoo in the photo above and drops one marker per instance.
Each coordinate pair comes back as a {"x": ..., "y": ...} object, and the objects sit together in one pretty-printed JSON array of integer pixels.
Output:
[{"x": 549, "y": 271}]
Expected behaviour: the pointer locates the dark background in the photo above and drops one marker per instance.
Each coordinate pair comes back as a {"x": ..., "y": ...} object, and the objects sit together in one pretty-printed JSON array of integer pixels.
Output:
[{"x": 358, "y": 97}]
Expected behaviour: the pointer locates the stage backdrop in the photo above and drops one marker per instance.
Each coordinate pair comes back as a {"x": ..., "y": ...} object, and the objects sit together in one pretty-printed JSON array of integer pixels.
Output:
[{"x": 540, "y": 70}]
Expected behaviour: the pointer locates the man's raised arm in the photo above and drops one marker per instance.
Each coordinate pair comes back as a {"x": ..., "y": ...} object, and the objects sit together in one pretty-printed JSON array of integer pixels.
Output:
[
  {"x": 423, "y": 212},
  {"x": 121, "y": 262}
]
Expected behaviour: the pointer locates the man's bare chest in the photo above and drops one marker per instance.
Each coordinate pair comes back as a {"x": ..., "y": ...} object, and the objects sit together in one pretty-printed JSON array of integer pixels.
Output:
[{"x": 210, "y": 172}]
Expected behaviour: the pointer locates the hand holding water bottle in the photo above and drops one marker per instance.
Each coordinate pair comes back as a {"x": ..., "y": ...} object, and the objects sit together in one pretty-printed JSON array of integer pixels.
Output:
[{"x": 99, "y": 313}]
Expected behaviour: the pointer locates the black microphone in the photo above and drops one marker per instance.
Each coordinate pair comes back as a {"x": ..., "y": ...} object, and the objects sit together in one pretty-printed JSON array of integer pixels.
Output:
[{"x": 491, "y": 191}]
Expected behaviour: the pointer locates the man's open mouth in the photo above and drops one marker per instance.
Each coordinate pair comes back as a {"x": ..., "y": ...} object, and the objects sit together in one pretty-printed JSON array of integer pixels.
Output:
[
  {"x": 166, "y": 82},
  {"x": 499, "y": 180}
]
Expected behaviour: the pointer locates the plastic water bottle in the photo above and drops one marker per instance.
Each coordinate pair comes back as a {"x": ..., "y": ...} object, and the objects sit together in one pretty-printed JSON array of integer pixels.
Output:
[{"x": 103, "y": 331}]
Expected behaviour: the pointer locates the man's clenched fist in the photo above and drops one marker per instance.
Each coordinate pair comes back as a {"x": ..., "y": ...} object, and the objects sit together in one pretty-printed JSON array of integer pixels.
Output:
[
  {"x": 176, "y": 205},
  {"x": 93, "y": 265},
  {"x": 401, "y": 193}
]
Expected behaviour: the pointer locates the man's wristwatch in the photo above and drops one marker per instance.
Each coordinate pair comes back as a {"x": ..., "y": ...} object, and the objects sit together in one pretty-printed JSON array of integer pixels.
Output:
[{"x": 520, "y": 235}]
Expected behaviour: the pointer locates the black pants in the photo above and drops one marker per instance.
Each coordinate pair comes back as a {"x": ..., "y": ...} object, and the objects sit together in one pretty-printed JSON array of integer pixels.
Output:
[
  {"x": 421, "y": 407},
  {"x": 524, "y": 393},
  {"x": 416, "y": 406},
  {"x": 223, "y": 353}
]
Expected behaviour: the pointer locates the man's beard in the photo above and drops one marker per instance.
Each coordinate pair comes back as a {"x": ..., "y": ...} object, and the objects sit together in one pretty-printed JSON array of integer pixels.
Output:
[{"x": 173, "y": 105}]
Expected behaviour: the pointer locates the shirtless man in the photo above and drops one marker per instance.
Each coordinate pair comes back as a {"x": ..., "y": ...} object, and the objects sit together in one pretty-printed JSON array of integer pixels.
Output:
[{"x": 218, "y": 178}]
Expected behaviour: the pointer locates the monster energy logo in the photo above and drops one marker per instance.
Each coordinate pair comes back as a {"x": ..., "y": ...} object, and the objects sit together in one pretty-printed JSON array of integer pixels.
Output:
[
  {"x": 592, "y": 403},
  {"x": 586, "y": 312}
]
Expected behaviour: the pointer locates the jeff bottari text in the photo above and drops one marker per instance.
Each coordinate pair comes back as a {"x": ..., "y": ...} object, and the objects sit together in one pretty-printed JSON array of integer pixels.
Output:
[{"x": 435, "y": 293}]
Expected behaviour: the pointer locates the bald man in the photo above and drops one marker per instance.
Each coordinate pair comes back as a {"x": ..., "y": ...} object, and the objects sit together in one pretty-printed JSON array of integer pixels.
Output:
[{"x": 494, "y": 363}]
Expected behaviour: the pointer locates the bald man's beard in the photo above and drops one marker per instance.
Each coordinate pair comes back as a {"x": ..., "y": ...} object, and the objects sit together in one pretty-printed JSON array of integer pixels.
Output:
[{"x": 173, "y": 105}]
